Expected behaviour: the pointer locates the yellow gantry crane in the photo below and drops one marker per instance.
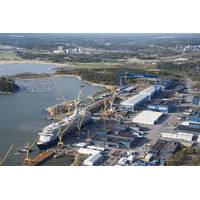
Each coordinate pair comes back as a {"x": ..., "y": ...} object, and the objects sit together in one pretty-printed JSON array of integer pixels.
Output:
[
  {"x": 29, "y": 147},
  {"x": 61, "y": 94},
  {"x": 60, "y": 134},
  {"x": 60, "y": 131},
  {"x": 91, "y": 98},
  {"x": 111, "y": 110},
  {"x": 104, "y": 113},
  {"x": 6, "y": 155},
  {"x": 107, "y": 108},
  {"x": 80, "y": 123},
  {"x": 60, "y": 142}
]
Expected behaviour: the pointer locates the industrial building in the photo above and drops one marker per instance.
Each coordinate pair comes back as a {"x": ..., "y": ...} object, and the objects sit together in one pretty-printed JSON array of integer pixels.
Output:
[
  {"x": 129, "y": 89},
  {"x": 161, "y": 106},
  {"x": 178, "y": 136},
  {"x": 164, "y": 148},
  {"x": 187, "y": 129},
  {"x": 122, "y": 161},
  {"x": 196, "y": 100},
  {"x": 147, "y": 117},
  {"x": 145, "y": 94},
  {"x": 166, "y": 84},
  {"x": 93, "y": 159},
  {"x": 94, "y": 156},
  {"x": 140, "y": 98},
  {"x": 109, "y": 139},
  {"x": 194, "y": 119}
]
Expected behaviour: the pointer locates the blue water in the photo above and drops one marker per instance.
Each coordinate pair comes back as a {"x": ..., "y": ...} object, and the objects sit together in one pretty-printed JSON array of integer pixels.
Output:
[
  {"x": 13, "y": 69},
  {"x": 22, "y": 113}
]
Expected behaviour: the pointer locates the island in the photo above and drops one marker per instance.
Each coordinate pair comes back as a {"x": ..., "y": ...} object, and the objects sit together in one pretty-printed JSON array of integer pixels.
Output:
[{"x": 8, "y": 85}]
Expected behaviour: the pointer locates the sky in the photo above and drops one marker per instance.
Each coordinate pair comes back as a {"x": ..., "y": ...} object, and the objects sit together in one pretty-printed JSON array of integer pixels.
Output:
[{"x": 100, "y": 16}]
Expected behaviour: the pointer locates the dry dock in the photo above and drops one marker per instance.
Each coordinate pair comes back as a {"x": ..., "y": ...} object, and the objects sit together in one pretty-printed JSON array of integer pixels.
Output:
[{"x": 40, "y": 158}]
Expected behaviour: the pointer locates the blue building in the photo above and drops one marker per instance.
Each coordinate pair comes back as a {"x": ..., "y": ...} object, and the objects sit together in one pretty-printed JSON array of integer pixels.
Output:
[
  {"x": 196, "y": 100},
  {"x": 162, "y": 106},
  {"x": 194, "y": 119}
]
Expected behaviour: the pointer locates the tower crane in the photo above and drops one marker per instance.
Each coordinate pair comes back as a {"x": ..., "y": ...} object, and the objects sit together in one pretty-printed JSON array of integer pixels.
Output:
[{"x": 6, "y": 155}]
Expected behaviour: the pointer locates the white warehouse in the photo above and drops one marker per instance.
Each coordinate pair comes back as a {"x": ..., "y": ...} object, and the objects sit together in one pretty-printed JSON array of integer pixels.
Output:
[
  {"x": 94, "y": 156},
  {"x": 93, "y": 159},
  {"x": 147, "y": 117},
  {"x": 140, "y": 97}
]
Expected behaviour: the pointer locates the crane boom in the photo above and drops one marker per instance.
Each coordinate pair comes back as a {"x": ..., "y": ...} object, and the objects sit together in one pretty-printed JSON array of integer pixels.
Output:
[{"x": 6, "y": 155}]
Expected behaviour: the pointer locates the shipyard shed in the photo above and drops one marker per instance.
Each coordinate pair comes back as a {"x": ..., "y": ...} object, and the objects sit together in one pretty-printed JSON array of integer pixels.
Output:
[
  {"x": 179, "y": 136},
  {"x": 196, "y": 100},
  {"x": 164, "y": 148},
  {"x": 168, "y": 135},
  {"x": 120, "y": 140},
  {"x": 96, "y": 148},
  {"x": 139, "y": 98},
  {"x": 88, "y": 151},
  {"x": 122, "y": 161},
  {"x": 198, "y": 139},
  {"x": 194, "y": 119},
  {"x": 185, "y": 136},
  {"x": 93, "y": 159},
  {"x": 166, "y": 84},
  {"x": 112, "y": 141},
  {"x": 187, "y": 129},
  {"x": 130, "y": 89},
  {"x": 147, "y": 117},
  {"x": 161, "y": 106}
]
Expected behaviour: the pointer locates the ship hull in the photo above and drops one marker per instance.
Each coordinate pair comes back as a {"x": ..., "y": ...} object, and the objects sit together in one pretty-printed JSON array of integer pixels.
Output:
[
  {"x": 47, "y": 145},
  {"x": 54, "y": 141}
]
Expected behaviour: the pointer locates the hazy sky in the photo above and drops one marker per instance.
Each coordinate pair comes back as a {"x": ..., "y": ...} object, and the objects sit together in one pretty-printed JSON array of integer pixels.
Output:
[{"x": 99, "y": 16}]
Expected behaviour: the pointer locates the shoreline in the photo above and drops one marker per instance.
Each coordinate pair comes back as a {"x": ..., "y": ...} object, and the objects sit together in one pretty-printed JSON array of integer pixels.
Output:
[
  {"x": 65, "y": 75},
  {"x": 4, "y": 62}
]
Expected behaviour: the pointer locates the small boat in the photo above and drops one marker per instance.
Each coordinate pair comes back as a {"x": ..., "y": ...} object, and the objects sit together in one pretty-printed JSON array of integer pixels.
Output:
[
  {"x": 24, "y": 150},
  {"x": 82, "y": 86}
]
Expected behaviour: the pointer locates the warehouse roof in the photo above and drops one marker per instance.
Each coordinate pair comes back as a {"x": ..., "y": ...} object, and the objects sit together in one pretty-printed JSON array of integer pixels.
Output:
[
  {"x": 91, "y": 160},
  {"x": 147, "y": 117},
  {"x": 139, "y": 97},
  {"x": 88, "y": 151}
]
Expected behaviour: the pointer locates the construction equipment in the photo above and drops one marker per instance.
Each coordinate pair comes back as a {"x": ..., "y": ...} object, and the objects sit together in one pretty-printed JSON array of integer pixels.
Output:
[
  {"x": 80, "y": 123},
  {"x": 104, "y": 113},
  {"x": 60, "y": 133},
  {"x": 60, "y": 142},
  {"x": 61, "y": 94},
  {"x": 6, "y": 155},
  {"x": 28, "y": 148},
  {"x": 91, "y": 98},
  {"x": 110, "y": 109}
]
